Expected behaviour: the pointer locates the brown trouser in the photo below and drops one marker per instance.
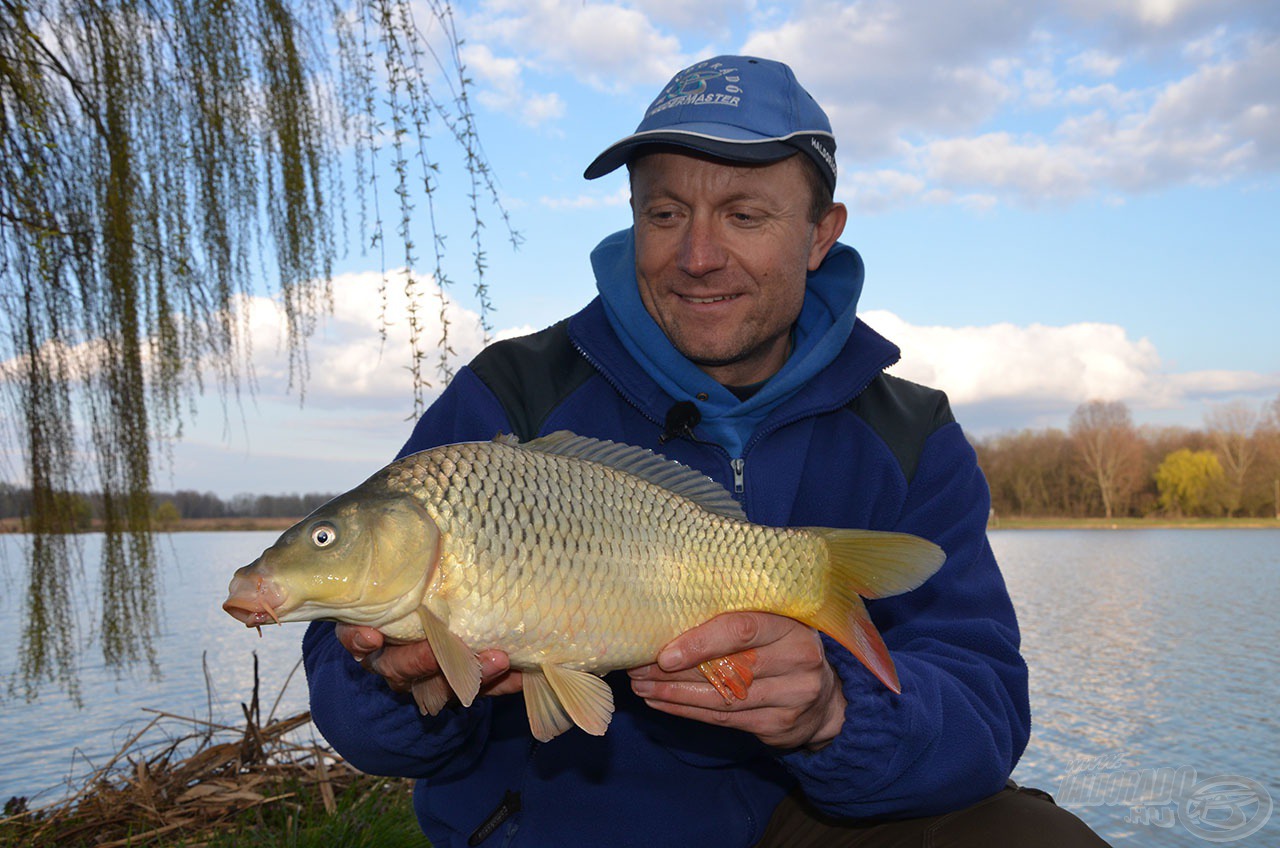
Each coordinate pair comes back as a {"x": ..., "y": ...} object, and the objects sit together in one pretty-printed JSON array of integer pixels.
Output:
[{"x": 1015, "y": 816}]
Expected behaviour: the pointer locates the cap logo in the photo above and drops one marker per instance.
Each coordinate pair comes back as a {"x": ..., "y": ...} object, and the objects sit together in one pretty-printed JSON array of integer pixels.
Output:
[
  {"x": 690, "y": 89},
  {"x": 824, "y": 153}
]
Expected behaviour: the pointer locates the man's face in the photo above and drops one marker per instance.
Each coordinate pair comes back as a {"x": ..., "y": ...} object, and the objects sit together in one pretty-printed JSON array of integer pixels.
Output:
[{"x": 722, "y": 252}]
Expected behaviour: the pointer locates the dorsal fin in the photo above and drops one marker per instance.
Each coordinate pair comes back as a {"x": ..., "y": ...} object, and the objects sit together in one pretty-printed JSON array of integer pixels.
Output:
[{"x": 643, "y": 463}]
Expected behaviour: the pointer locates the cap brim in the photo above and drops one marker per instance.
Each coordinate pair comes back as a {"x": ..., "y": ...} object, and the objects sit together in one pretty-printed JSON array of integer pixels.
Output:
[{"x": 745, "y": 150}]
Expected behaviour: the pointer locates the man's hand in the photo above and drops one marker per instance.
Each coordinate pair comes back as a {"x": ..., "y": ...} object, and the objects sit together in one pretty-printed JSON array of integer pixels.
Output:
[
  {"x": 794, "y": 701},
  {"x": 402, "y": 664}
]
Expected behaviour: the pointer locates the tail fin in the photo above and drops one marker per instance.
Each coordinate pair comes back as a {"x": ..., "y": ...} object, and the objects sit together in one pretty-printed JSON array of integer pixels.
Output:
[{"x": 874, "y": 565}]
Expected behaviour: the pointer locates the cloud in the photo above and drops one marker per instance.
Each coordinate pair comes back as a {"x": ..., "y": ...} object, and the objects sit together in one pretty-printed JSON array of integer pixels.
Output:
[
  {"x": 920, "y": 94},
  {"x": 502, "y": 87},
  {"x": 608, "y": 46},
  {"x": 348, "y": 358},
  {"x": 620, "y": 197},
  {"x": 1031, "y": 369},
  {"x": 1096, "y": 63},
  {"x": 883, "y": 71},
  {"x": 980, "y": 103}
]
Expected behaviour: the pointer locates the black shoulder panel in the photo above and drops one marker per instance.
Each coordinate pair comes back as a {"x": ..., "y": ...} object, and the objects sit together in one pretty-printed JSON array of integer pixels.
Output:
[
  {"x": 904, "y": 415},
  {"x": 532, "y": 374}
]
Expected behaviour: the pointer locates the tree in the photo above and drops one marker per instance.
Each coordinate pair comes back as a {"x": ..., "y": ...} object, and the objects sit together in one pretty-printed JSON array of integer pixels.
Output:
[
  {"x": 1232, "y": 428},
  {"x": 1268, "y": 435},
  {"x": 1190, "y": 482},
  {"x": 1109, "y": 450},
  {"x": 1029, "y": 472},
  {"x": 156, "y": 159}
]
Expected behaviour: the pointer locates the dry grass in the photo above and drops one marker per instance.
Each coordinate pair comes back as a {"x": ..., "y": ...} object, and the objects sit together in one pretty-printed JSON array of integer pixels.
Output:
[{"x": 205, "y": 785}]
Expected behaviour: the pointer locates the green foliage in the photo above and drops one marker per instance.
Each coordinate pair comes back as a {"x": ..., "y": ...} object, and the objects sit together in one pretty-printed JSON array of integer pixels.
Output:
[
  {"x": 1190, "y": 482},
  {"x": 166, "y": 514},
  {"x": 161, "y": 161}
]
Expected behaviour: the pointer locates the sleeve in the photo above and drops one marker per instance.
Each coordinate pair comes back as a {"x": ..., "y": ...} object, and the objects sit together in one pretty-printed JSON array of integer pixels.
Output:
[
  {"x": 954, "y": 734},
  {"x": 377, "y": 730}
]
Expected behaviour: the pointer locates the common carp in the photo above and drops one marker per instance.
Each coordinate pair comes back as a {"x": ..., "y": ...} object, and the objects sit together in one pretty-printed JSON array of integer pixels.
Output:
[{"x": 573, "y": 555}]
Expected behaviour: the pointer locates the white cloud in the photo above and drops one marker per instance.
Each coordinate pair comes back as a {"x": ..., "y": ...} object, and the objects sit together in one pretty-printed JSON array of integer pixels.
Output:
[
  {"x": 607, "y": 45},
  {"x": 620, "y": 197},
  {"x": 348, "y": 359},
  {"x": 703, "y": 18},
  {"x": 935, "y": 94},
  {"x": 883, "y": 71},
  {"x": 1096, "y": 63},
  {"x": 1040, "y": 366},
  {"x": 502, "y": 87}
]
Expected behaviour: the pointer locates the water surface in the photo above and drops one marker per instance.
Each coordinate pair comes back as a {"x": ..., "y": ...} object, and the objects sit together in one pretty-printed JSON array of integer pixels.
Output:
[{"x": 1149, "y": 650}]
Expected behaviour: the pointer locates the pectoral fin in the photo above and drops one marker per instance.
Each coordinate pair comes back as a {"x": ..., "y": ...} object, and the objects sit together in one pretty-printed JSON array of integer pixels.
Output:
[{"x": 460, "y": 666}]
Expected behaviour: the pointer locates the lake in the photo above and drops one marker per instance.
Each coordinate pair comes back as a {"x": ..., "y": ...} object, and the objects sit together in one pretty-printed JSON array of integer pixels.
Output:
[{"x": 1155, "y": 659}]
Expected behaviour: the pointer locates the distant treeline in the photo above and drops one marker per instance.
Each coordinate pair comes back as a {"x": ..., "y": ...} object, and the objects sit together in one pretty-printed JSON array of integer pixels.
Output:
[
  {"x": 1105, "y": 466},
  {"x": 15, "y": 502}
]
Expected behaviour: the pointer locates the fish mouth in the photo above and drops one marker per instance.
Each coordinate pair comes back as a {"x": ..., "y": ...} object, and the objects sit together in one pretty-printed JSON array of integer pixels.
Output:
[
  {"x": 253, "y": 600},
  {"x": 252, "y": 615}
]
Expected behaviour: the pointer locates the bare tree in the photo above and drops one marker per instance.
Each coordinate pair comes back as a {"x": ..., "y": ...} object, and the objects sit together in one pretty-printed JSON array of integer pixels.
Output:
[
  {"x": 160, "y": 160},
  {"x": 1232, "y": 428},
  {"x": 1109, "y": 449}
]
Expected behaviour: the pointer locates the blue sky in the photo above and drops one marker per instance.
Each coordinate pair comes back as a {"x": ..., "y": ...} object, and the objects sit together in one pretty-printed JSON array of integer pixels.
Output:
[{"x": 1055, "y": 201}]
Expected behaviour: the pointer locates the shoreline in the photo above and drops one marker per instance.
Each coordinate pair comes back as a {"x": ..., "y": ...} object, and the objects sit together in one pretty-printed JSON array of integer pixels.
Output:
[
  {"x": 1050, "y": 523},
  {"x": 247, "y": 524}
]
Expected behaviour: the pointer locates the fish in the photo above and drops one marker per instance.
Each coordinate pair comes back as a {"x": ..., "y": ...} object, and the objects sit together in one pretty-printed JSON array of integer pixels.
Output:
[{"x": 576, "y": 556}]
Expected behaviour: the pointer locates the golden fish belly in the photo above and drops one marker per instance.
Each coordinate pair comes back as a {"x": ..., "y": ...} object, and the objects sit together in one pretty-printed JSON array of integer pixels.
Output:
[{"x": 576, "y": 564}]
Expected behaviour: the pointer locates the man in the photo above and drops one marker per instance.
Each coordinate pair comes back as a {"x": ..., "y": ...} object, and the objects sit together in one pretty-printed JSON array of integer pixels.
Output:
[{"x": 725, "y": 337}]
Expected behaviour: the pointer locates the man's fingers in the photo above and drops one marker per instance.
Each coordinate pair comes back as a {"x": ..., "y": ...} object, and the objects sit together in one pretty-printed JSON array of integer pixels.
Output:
[
  {"x": 401, "y": 665},
  {"x": 404, "y": 664},
  {"x": 723, "y": 635},
  {"x": 360, "y": 642}
]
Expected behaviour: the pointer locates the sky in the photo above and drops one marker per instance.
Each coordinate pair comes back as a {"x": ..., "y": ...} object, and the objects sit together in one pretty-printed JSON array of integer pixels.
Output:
[{"x": 1056, "y": 202}]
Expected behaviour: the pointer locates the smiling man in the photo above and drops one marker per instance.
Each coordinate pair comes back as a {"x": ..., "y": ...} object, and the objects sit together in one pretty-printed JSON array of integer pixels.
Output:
[
  {"x": 726, "y": 337},
  {"x": 723, "y": 255}
]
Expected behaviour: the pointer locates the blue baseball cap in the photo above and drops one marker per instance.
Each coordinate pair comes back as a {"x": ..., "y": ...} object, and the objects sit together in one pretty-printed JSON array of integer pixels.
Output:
[{"x": 738, "y": 108}]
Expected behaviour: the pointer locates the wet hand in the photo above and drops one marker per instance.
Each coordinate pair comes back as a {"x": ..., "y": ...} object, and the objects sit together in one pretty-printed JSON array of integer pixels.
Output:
[
  {"x": 794, "y": 701},
  {"x": 401, "y": 665}
]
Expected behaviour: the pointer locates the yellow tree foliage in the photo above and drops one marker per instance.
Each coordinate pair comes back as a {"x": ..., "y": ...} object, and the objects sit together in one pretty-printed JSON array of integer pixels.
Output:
[{"x": 1190, "y": 482}]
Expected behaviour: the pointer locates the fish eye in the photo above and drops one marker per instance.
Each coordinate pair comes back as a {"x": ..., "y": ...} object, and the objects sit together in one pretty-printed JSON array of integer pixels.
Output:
[{"x": 324, "y": 535}]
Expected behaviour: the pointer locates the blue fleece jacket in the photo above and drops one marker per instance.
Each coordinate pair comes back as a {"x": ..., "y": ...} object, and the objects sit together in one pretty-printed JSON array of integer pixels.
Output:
[{"x": 950, "y": 738}]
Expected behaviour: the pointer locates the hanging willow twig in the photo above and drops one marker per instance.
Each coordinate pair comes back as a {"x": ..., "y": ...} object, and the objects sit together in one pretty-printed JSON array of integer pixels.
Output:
[{"x": 161, "y": 160}]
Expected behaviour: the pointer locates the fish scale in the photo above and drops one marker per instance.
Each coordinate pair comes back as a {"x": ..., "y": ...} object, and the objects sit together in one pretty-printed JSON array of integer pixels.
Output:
[{"x": 575, "y": 557}]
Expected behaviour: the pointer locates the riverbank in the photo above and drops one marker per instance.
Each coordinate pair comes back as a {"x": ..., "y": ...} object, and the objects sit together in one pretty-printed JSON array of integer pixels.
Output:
[
  {"x": 1018, "y": 522},
  {"x": 184, "y": 525},
  {"x": 1022, "y": 522}
]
